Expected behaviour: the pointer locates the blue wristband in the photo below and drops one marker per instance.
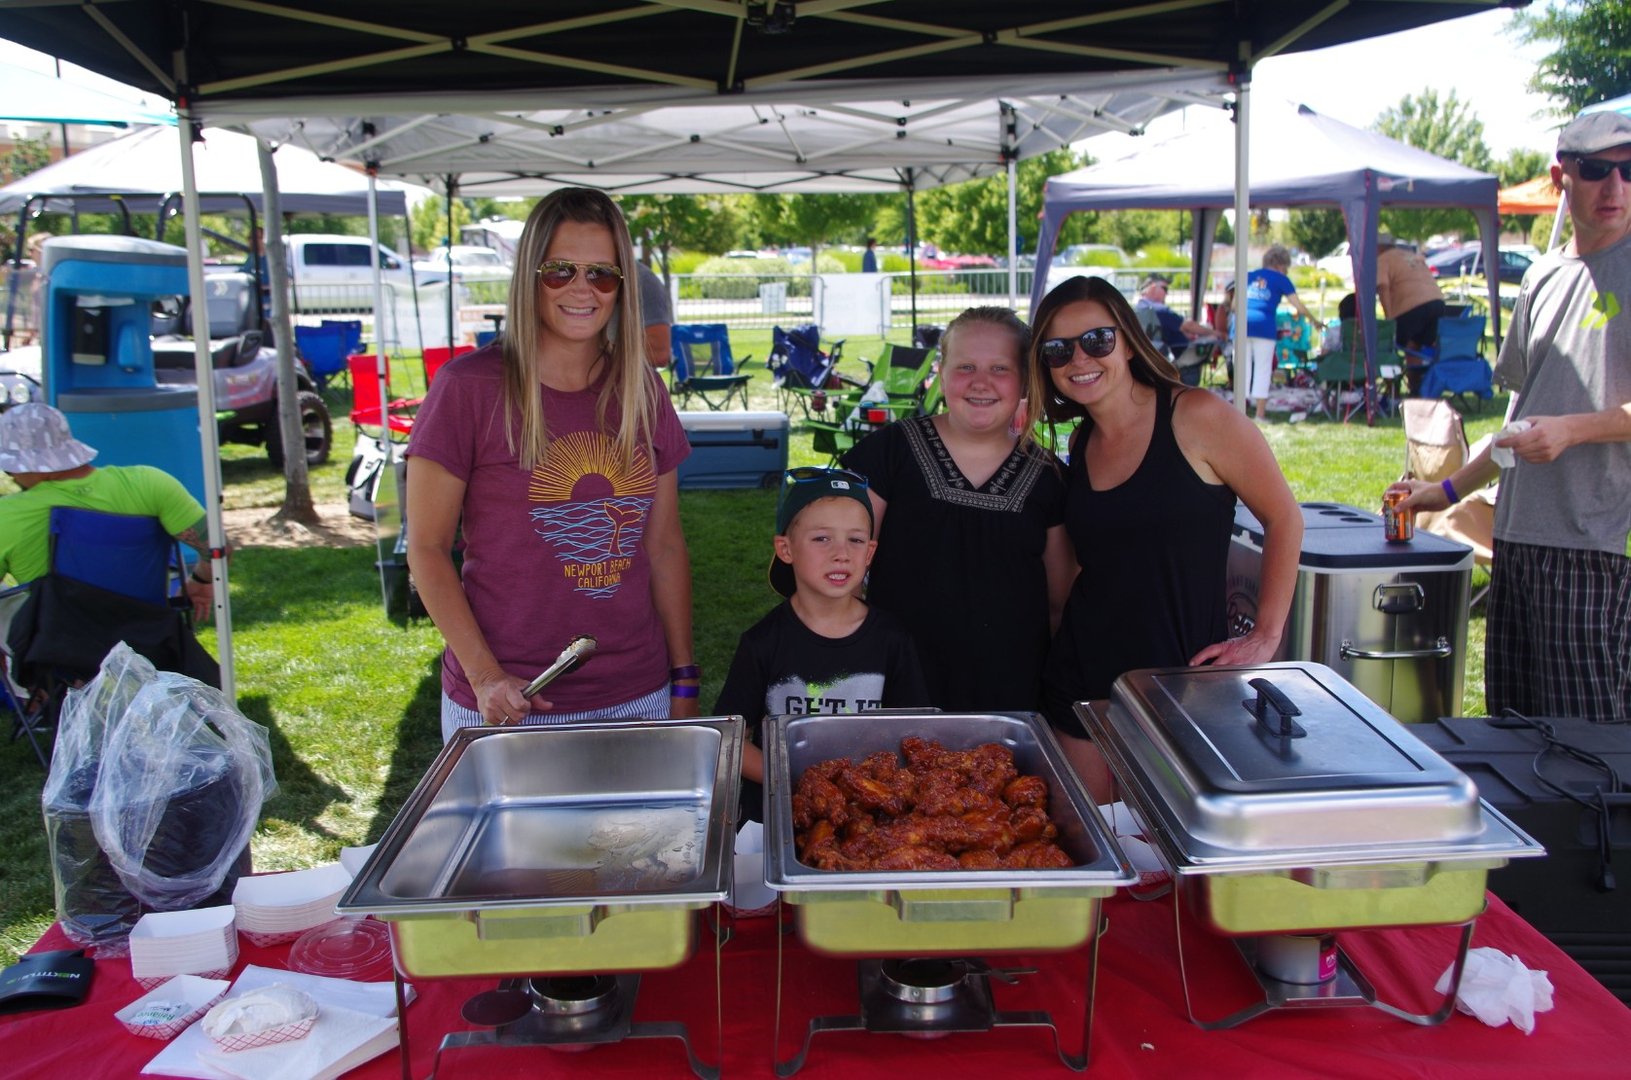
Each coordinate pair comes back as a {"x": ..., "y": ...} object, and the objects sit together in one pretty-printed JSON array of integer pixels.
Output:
[
  {"x": 1449, "y": 491},
  {"x": 684, "y": 691}
]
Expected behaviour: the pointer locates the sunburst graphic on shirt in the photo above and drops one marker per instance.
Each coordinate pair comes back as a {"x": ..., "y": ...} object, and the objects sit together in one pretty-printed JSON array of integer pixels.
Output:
[{"x": 594, "y": 508}]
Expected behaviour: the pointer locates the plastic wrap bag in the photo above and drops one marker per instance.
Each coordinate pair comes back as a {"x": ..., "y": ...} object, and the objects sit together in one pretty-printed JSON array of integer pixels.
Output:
[
  {"x": 93, "y": 905},
  {"x": 180, "y": 789}
]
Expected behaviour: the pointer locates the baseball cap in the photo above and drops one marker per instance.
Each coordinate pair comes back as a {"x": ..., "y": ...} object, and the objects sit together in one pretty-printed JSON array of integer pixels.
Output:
[
  {"x": 1593, "y": 132},
  {"x": 1384, "y": 239},
  {"x": 1153, "y": 279},
  {"x": 34, "y": 438},
  {"x": 804, "y": 486}
]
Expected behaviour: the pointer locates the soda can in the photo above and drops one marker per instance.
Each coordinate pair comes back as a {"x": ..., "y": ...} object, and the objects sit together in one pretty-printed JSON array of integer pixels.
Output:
[{"x": 1398, "y": 524}]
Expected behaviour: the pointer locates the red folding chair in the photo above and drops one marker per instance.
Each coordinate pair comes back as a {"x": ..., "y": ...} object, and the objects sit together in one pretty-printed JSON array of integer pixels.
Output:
[
  {"x": 366, "y": 398},
  {"x": 437, "y": 358}
]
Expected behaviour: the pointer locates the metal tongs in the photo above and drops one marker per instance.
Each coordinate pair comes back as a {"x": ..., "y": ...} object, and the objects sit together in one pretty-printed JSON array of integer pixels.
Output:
[{"x": 576, "y": 652}]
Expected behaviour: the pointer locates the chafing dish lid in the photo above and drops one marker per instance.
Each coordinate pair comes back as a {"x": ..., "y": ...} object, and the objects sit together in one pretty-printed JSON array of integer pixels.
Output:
[{"x": 1277, "y": 757}]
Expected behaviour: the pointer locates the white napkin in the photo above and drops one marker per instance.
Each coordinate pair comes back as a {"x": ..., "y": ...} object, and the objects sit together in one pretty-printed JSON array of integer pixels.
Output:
[
  {"x": 183, "y": 1055},
  {"x": 1497, "y": 988},
  {"x": 337, "y": 1034},
  {"x": 1505, "y": 456}
]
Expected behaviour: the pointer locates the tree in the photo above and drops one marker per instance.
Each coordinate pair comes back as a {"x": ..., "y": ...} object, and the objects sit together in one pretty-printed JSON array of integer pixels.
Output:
[
  {"x": 1317, "y": 232},
  {"x": 24, "y": 157},
  {"x": 662, "y": 223},
  {"x": 1443, "y": 126},
  {"x": 973, "y": 216},
  {"x": 428, "y": 222},
  {"x": 816, "y": 220},
  {"x": 1590, "y": 61}
]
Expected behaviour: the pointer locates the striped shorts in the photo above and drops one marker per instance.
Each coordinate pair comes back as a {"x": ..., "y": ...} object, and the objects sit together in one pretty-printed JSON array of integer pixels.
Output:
[
  {"x": 653, "y": 706},
  {"x": 1558, "y": 636}
]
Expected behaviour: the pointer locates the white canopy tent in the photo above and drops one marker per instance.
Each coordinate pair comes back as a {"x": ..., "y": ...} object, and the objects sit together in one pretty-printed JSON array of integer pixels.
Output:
[{"x": 1298, "y": 158}]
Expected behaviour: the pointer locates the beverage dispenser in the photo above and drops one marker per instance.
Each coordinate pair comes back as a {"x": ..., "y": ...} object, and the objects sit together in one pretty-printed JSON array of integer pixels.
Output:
[{"x": 98, "y": 361}]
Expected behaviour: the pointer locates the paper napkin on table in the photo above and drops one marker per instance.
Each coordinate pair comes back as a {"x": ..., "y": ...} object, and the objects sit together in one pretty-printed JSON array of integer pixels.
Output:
[{"x": 1496, "y": 988}]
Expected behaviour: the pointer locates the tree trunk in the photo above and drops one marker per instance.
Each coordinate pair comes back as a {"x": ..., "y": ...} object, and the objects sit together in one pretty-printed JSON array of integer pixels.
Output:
[{"x": 297, "y": 504}]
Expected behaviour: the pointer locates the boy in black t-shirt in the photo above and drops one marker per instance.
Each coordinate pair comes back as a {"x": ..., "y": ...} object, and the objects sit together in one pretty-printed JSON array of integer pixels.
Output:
[{"x": 822, "y": 650}]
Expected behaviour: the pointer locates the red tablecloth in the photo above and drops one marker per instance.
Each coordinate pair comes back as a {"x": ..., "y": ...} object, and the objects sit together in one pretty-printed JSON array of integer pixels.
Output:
[{"x": 1140, "y": 1025}]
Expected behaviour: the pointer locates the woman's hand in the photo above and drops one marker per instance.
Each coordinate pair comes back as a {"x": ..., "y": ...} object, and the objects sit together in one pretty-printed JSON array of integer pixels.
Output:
[
  {"x": 1257, "y": 647},
  {"x": 684, "y": 708},
  {"x": 499, "y": 698}
]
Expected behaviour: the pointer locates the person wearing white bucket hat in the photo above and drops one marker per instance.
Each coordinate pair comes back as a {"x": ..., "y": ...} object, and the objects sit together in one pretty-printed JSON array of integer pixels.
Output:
[{"x": 40, "y": 453}]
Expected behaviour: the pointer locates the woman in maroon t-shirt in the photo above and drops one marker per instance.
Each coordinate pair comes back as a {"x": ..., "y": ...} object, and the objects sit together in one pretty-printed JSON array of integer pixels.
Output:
[{"x": 556, "y": 448}]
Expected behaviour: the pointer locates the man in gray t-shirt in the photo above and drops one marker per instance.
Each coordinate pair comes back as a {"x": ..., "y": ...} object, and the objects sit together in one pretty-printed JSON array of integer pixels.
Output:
[
  {"x": 655, "y": 312},
  {"x": 1558, "y": 630}
]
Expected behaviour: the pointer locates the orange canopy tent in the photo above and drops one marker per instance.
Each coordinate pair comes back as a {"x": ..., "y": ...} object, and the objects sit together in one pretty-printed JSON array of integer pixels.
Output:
[{"x": 1536, "y": 196}]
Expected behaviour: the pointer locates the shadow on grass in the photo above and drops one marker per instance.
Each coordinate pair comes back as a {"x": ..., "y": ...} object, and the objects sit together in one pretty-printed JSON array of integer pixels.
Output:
[
  {"x": 419, "y": 740},
  {"x": 303, "y": 794}
]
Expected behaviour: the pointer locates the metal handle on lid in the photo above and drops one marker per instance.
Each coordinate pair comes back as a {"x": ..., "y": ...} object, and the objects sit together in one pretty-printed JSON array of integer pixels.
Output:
[
  {"x": 1272, "y": 698},
  {"x": 1441, "y": 648}
]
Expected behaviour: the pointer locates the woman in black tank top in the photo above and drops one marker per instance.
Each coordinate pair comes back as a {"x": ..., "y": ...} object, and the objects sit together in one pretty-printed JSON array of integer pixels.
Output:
[{"x": 1151, "y": 485}]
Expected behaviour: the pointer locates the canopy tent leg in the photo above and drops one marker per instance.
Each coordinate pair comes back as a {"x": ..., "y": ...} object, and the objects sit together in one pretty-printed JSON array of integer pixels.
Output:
[
  {"x": 1243, "y": 228},
  {"x": 209, "y": 444}
]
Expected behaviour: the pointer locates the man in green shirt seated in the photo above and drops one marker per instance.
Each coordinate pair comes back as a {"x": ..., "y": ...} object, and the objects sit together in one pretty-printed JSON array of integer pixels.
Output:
[{"x": 53, "y": 468}]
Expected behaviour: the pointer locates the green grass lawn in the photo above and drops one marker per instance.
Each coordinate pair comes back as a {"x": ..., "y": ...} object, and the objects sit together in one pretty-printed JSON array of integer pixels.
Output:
[{"x": 351, "y": 700}]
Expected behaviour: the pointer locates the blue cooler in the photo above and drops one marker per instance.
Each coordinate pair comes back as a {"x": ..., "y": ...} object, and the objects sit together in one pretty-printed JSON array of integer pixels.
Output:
[{"x": 734, "y": 449}]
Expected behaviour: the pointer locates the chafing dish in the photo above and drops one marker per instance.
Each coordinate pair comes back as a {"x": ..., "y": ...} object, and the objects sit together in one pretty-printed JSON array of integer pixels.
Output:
[
  {"x": 583, "y": 848},
  {"x": 1285, "y": 801},
  {"x": 921, "y": 913}
]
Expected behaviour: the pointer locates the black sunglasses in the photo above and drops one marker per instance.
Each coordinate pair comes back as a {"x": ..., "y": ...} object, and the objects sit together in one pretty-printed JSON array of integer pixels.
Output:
[
  {"x": 1594, "y": 169},
  {"x": 1097, "y": 343},
  {"x": 559, "y": 273}
]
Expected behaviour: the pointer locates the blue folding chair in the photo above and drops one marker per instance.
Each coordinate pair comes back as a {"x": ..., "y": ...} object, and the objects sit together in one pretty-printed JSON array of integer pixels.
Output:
[
  {"x": 1457, "y": 367},
  {"x": 702, "y": 365},
  {"x": 323, "y": 348},
  {"x": 801, "y": 371}
]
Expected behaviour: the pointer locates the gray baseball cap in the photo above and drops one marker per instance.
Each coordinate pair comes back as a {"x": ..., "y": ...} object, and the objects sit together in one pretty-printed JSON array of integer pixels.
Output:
[
  {"x": 1595, "y": 132},
  {"x": 34, "y": 438}
]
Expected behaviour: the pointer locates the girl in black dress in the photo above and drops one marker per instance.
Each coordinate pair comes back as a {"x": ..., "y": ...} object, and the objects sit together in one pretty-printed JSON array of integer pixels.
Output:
[{"x": 972, "y": 553}]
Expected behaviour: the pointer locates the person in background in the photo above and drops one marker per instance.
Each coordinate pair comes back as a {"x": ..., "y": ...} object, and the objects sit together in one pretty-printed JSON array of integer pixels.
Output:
[
  {"x": 657, "y": 317},
  {"x": 1347, "y": 311},
  {"x": 1176, "y": 332},
  {"x": 972, "y": 553},
  {"x": 823, "y": 650},
  {"x": 53, "y": 468},
  {"x": 869, "y": 257},
  {"x": 1265, "y": 288},
  {"x": 554, "y": 448},
  {"x": 1153, "y": 475},
  {"x": 1409, "y": 294},
  {"x": 1558, "y": 631}
]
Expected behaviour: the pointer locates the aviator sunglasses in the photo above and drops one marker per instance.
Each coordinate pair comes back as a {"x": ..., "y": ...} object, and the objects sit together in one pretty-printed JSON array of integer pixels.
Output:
[
  {"x": 1595, "y": 169},
  {"x": 1097, "y": 343},
  {"x": 559, "y": 273}
]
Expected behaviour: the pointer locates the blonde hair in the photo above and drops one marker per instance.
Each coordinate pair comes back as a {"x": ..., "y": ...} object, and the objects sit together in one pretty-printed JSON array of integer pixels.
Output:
[{"x": 629, "y": 381}]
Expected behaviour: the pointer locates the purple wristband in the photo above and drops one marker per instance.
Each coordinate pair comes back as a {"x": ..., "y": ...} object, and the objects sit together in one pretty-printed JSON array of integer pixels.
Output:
[
  {"x": 684, "y": 691},
  {"x": 1449, "y": 491},
  {"x": 685, "y": 671}
]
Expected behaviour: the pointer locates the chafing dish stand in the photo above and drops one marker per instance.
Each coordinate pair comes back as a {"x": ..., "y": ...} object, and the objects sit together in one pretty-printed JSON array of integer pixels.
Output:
[{"x": 926, "y": 997}]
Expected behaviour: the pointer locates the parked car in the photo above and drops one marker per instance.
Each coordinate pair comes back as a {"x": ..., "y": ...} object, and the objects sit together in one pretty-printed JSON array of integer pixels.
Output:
[
  {"x": 469, "y": 261},
  {"x": 1339, "y": 263},
  {"x": 1468, "y": 259},
  {"x": 331, "y": 273}
]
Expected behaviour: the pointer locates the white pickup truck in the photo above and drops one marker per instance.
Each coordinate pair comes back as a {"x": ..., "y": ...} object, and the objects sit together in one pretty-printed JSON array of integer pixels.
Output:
[{"x": 331, "y": 273}]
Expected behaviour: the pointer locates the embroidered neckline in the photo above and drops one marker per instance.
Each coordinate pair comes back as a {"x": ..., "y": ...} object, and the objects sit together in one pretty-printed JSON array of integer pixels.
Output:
[{"x": 1007, "y": 489}]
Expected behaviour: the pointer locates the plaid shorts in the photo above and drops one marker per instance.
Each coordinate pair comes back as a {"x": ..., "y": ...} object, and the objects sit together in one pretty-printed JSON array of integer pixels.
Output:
[{"x": 1558, "y": 636}]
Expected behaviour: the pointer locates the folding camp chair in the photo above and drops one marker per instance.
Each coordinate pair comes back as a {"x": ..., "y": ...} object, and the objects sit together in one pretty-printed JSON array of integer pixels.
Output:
[
  {"x": 1293, "y": 345},
  {"x": 799, "y": 368},
  {"x": 1341, "y": 374},
  {"x": 366, "y": 398},
  {"x": 702, "y": 365},
  {"x": 1435, "y": 447},
  {"x": 130, "y": 555},
  {"x": 436, "y": 359},
  {"x": 323, "y": 350},
  {"x": 906, "y": 375},
  {"x": 1456, "y": 366}
]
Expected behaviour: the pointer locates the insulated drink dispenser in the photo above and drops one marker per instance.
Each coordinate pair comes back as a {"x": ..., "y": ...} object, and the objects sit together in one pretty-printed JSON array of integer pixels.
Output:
[{"x": 99, "y": 354}]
